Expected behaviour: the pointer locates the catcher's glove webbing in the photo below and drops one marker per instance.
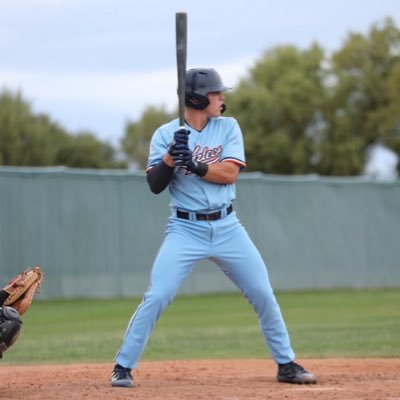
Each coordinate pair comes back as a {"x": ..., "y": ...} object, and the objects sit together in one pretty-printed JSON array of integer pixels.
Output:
[
  {"x": 10, "y": 327},
  {"x": 22, "y": 288}
]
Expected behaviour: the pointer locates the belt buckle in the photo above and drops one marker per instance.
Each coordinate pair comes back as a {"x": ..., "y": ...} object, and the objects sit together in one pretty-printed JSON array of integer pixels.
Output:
[{"x": 213, "y": 216}]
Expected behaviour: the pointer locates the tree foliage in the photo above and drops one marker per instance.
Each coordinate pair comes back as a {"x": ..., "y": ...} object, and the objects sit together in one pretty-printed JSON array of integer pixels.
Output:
[
  {"x": 135, "y": 143},
  {"x": 277, "y": 107},
  {"x": 27, "y": 139},
  {"x": 303, "y": 112},
  {"x": 85, "y": 151},
  {"x": 364, "y": 103}
]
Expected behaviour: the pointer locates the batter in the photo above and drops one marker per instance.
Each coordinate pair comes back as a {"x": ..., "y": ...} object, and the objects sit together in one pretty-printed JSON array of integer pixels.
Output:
[{"x": 200, "y": 163}]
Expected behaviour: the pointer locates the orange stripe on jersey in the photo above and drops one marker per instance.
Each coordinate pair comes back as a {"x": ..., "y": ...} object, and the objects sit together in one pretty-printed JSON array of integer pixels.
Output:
[{"x": 235, "y": 161}]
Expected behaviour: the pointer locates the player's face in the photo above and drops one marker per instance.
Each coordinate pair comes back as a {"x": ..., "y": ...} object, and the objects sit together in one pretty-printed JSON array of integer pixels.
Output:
[{"x": 216, "y": 100}]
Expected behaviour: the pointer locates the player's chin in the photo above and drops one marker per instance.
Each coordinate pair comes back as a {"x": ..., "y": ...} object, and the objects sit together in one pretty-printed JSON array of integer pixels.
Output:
[
  {"x": 217, "y": 113},
  {"x": 214, "y": 112}
]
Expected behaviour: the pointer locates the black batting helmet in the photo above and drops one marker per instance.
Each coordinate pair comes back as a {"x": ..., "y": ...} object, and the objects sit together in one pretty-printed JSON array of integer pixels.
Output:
[
  {"x": 200, "y": 82},
  {"x": 10, "y": 326}
]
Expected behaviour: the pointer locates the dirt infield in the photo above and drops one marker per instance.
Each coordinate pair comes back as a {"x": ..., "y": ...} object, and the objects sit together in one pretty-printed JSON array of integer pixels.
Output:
[{"x": 363, "y": 379}]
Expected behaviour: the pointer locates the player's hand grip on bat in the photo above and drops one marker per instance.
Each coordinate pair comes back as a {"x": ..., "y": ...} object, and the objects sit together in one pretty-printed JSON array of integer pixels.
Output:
[
  {"x": 181, "y": 139},
  {"x": 174, "y": 150},
  {"x": 182, "y": 136},
  {"x": 184, "y": 158}
]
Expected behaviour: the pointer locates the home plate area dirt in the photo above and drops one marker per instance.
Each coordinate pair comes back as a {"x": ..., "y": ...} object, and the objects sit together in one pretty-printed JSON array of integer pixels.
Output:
[{"x": 338, "y": 379}]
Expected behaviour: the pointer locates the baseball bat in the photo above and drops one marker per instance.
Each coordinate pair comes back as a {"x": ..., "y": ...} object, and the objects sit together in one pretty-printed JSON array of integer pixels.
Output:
[{"x": 181, "y": 54}]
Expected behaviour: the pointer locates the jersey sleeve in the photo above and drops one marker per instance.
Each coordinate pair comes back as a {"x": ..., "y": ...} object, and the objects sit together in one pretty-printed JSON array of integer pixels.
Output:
[
  {"x": 234, "y": 146},
  {"x": 158, "y": 146}
]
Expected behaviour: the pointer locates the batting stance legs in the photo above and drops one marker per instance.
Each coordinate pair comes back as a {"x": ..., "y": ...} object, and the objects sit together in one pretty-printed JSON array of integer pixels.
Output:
[{"x": 227, "y": 244}]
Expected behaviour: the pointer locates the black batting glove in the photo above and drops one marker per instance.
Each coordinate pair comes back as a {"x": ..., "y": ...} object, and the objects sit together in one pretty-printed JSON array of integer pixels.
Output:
[
  {"x": 197, "y": 168},
  {"x": 184, "y": 158},
  {"x": 175, "y": 149},
  {"x": 181, "y": 136}
]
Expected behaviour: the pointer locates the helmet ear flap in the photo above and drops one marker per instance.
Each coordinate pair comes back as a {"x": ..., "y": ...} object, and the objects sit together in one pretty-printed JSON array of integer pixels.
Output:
[{"x": 196, "y": 101}]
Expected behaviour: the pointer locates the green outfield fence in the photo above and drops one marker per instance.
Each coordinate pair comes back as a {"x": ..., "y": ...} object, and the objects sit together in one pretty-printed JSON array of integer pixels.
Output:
[{"x": 95, "y": 232}]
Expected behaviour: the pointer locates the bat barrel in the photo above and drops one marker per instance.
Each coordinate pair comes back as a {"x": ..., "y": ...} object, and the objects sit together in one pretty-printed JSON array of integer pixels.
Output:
[{"x": 181, "y": 56}]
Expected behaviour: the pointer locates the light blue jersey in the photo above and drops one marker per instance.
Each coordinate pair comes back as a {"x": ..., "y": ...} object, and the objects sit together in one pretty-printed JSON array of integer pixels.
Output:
[{"x": 220, "y": 140}]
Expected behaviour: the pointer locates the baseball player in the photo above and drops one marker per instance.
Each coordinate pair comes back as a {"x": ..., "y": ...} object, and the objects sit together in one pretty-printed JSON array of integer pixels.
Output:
[
  {"x": 15, "y": 299},
  {"x": 200, "y": 163},
  {"x": 10, "y": 324}
]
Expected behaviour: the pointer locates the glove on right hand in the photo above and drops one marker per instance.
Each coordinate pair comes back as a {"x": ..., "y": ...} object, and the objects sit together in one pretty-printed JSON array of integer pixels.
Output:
[{"x": 182, "y": 157}]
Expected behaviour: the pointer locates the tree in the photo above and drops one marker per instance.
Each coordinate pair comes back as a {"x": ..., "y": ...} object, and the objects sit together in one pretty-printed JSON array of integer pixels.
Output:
[
  {"x": 388, "y": 118},
  {"x": 27, "y": 139},
  {"x": 364, "y": 101},
  {"x": 135, "y": 143},
  {"x": 302, "y": 112},
  {"x": 277, "y": 107},
  {"x": 85, "y": 151}
]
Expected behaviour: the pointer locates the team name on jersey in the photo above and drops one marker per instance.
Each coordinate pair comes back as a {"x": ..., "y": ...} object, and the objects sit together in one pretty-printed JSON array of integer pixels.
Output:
[{"x": 207, "y": 155}]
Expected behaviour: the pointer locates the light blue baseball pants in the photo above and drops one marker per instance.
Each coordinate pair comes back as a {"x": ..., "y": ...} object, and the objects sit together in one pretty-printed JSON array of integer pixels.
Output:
[{"x": 225, "y": 242}]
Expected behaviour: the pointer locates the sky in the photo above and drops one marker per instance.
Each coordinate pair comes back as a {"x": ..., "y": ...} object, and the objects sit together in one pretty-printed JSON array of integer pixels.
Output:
[{"x": 96, "y": 64}]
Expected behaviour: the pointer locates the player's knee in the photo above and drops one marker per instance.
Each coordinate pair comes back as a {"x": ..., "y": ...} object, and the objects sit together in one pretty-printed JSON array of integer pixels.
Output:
[
  {"x": 160, "y": 298},
  {"x": 261, "y": 296}
]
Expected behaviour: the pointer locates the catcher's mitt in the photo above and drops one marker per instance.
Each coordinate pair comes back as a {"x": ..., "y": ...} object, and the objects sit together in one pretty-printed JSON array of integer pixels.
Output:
[{"x": 22, "y": 288}]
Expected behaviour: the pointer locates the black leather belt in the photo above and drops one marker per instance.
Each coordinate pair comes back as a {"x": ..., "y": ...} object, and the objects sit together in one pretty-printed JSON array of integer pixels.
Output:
[{"x": 204, "y": 217}]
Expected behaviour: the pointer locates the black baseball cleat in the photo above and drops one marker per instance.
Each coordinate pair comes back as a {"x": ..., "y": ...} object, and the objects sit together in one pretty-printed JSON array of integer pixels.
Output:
[
  {"x": 121, "y": 377},
  {"x": 294, "y": 373}
]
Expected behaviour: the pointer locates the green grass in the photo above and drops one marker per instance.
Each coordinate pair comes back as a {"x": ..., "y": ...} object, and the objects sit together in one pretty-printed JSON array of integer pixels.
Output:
[{"x": 344, "y": 323}]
